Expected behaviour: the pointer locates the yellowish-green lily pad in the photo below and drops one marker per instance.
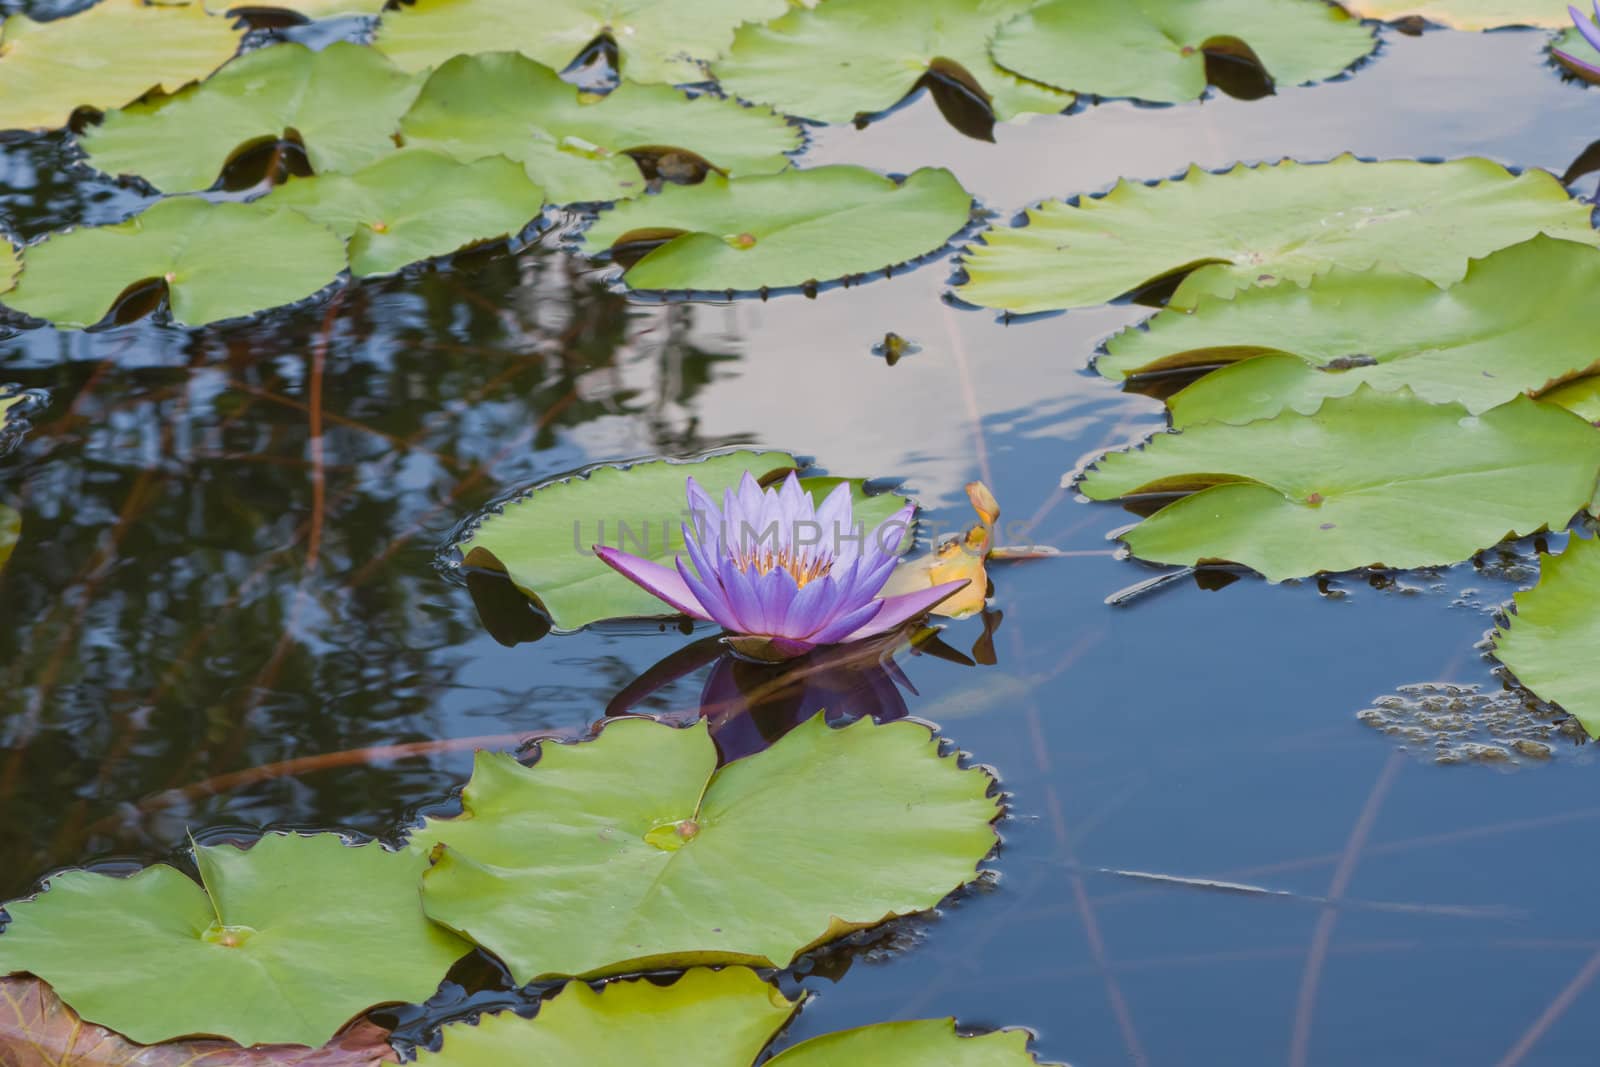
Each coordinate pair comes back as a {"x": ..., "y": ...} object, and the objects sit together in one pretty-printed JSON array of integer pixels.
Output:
[
  {"x": 1550, "y": 642},
  {"x": 217, "y": 261},
  {"x": 634, "y": 851},
  {"x": 709, "y": 1019},
  {"x": 342, "y": 104},
  {"x": 417, "y": 204},
  {"x": 104, "y": 57}
]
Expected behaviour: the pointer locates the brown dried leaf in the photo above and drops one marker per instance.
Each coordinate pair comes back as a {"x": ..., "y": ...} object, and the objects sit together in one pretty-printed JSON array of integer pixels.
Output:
[
  {"x": 957, "y": 558},
  {"x": 38, "y": 1030}
]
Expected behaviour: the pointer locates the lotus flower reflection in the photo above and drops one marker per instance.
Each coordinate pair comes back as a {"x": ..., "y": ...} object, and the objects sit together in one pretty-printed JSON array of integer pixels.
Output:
[
  {"x": 1591, "y": 33},
  {"x": 781, "y": 573}
]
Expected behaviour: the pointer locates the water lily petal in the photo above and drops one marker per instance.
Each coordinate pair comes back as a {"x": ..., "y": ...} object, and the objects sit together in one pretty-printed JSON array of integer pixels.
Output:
[
  {"x": 811, "y": 607},
  {"x": 711, "y": 597},
  {"x": 776, "y": 590},
  {"x": 661, "y": 582},
  {"x": 835, "y": 517},
  {"x": 705, "y": 518},
  {"x": 897, "y": 609},
  {"x": 841, "y": 627},
  {"x": 742, "y": 599},
  {"x": 886, "y": 539}
]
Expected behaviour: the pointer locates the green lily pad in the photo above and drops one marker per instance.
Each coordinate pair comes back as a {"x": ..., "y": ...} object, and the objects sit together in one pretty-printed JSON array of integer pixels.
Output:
[
  {"x": 1467, "y": 14},
  {"x": 1574, "y": 52},
  {"x": 1549, "y": 643},
  {"x": 342, "y": 104},
  {"x": 217, "y": 260},
  {"x": 306, "y": 9},
  {"x": 1370, "y": 479},
  {"x": 114, "y": 52},
  {"x": 544, "y": 540},
  {"x": 284, "y": 942},
  {"x": 10, "y": 264},
  {"x": 1156, "y": 49},
  {"x": 656, "y": 40},
  {"x": 10, "y": 523},
  {"x": 796, "y": 228},
  {"x": 845, "y": 58},
  {"x": 1581, "y": 396},
  {"x": 708, "y": 1018},
  {"x": 417, "y": 204},
  {"x": 1516, "y": 324},
  {"x": 634, "y": 851},
  {"x": 1260, "y": 225},
  {"x": 579, "y": 147}
]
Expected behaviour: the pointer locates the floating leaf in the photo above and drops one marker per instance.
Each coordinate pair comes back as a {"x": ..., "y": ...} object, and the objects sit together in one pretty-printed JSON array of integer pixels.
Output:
[
  {"x": 281, "y": 943},
  {"x": 1573, "y": 51},
  {"x": 707, "y": 1018},
  {"x": 1467, "y": 14},
  {"x": 10, "y": 265},
  {"x": 846, "y": 58},
  {"x": 634, "y": 851},
  {"x": 10, "y": 534},
  {"x": 1518, "y": 322},
  {"x": 217, "y": 260},
  {"x": 656, "y": 40},
  {"x": 800, "y": 227},
  {"x": 114, "y": 52},
  {"x": 306, "y": 9},
  {"x": 342, "y": 105},
  {"x": 1581, "y": 396},
  {"x": 1550, "y": 642},
  {"x": 544, "y": 541},
  {"x": 1265, "y": 224},
  {"x": 1156, "y": 49},
  {"x": 38, "y": 1030},
  {"x": 1370, "y": 479},
  {"x": 581, "y": 148},
  {"x": 417, "y": 204}
]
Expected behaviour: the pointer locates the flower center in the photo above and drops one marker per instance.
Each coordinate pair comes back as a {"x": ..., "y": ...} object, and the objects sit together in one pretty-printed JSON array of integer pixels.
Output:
[{"x": 802, "y": 566}]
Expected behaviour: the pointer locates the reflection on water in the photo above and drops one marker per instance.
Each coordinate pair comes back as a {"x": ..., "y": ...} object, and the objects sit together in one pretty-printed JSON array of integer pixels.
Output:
[{"x": 216, "y": 619}]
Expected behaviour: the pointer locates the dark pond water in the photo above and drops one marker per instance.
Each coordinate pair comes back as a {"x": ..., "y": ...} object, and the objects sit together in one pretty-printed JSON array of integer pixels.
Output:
[{"x": 183, "y": 611}]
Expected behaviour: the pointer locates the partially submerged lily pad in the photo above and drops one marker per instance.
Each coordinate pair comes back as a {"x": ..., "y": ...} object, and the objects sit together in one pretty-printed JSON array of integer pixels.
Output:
[
  {"x": 10, "y": 264},
  {"x": 1574, "y": 52},
  {"x": 1265, "y": 224},
  {"x": 781, "y": 230},
  {"x": 544, "y": 541},
  {"x": 1467, "y": 14},
  {"x": 306, "y": 9},
  {"x": 217, "y": 261},
  {"x": 710, "y": 1019},
  {"x": 1370, "y": 479},
  {"x": 113, "y": 52},
  {"x": 1581, "y": 396},
  {"x": 1550, "y": 642},
  {"x": 1516, "y": 324},
  {"x": 38, "y": 1030},
  {"x": 656, "y": 40},
  {"x": 634, "y": 851},
  {"x": 342, "y": 105},
  {"x": 845, "y": 58},
  {"x": 417, "y": 204},
  {"x": 582, "y": 148},
  {"x": 1156, "y": 49},
  {"x": 281, "y": 943}
]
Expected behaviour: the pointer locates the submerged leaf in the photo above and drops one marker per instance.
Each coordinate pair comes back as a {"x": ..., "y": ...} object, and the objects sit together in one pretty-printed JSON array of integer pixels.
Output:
[
  {"x": 10, "y": 534},
  {"x": 781, "y": 230},
  {"x": 634, "y": 851},
  {"x": 846, "y": 58},
  {"x": 1265, "y": 224},
  {"x": 656, "y": 40},
  {"x": 1550, "y": 642},
  {"x": 1156, "y": 49},
  {"x": 114, "y": 52},
  {"x": 307, "y": 9},
  {"x": 582, "y": 149},
  {"x": 417, "y": 204},
  {"x": 342, "y": 105},
  {"x": 1467, "y": 14},
  {"x": 38, "y": 1030},
  {"x": 709, "y": 1019},
  {"x": 282, "y": 943},
  {"x": 1370, "y": 479},
  {"x": 1518, "y": 322},
  {"x": 217, "y": 261},
  {"x": 1581, "y": 396},
  {"x": 544, "y": 540}
]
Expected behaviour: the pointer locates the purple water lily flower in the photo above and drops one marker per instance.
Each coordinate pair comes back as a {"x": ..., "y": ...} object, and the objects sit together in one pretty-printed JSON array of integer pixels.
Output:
[
  {"x": 780, "y": 573},
  {"x": 1591, "y": 33}
]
